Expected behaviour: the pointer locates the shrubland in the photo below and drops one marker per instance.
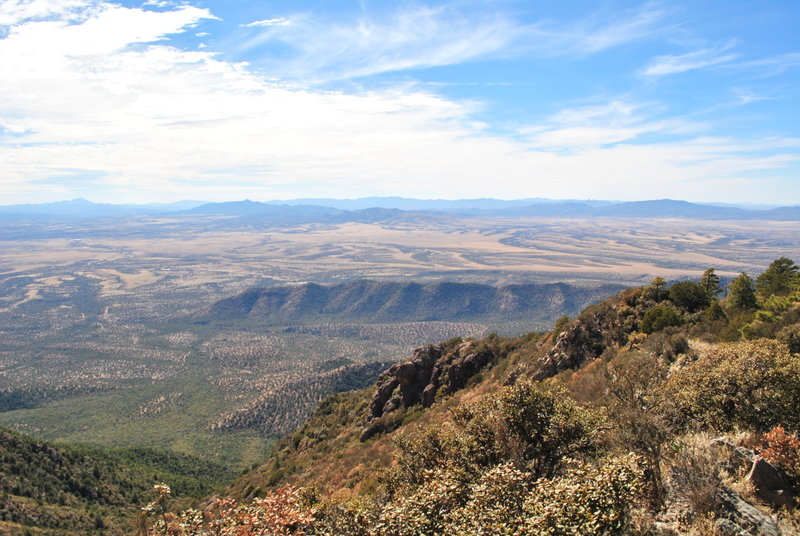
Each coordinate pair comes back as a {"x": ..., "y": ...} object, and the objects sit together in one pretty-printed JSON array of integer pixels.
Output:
[{"x": 648, "y": 413}]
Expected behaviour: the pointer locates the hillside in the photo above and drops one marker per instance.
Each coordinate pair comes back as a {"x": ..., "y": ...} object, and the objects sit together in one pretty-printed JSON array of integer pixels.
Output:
[
  {"x": 659, "y": 411},
  {"x": 384, "y": 301},
  {"x": 278, "y": 412},
  {"x": 662, "y": 410},
  {"x": 79, "y": 490}
]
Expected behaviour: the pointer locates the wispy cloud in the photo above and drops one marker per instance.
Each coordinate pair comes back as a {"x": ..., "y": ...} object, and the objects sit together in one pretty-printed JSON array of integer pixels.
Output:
[
  {"x": 283, "y": 21},
  {"x": 771, "y": 66},
  {"x": 697, "y": 59},
  {"x": 603, "y": 125},
  {"x": 599, "y": 31},
  {"x": 411, "y": 37},
  {"x": 746, "y": 96},
  {"x": 419, "y": 36}
]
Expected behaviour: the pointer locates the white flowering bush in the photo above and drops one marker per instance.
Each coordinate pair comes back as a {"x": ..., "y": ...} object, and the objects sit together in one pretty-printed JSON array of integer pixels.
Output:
[{"x": 590, "y": 499}]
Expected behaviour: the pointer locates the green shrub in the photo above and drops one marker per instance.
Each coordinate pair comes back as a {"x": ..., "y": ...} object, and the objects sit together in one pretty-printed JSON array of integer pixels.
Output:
[
  {"x": 752, "y": 384},
  {"x": 495, "y": 504},
  {"x": 689, "y": 295},
  {"x": 790, "y": 336},
  {"x": 715, "y": 312},
  {"x": 533, "y": 425},
  {"x": 422, "y": 511},
  {"x": 338, "y": 516},
  {"x": 660, "y": 317},
  {"x": 593, "y": 500}
]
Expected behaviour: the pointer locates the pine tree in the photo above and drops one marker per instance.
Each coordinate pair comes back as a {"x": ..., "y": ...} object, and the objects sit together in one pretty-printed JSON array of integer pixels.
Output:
[
  {"x": 710, "y": 283},
  {"x": 742, "y": 294},
  {"x": 779, "y": 278}
]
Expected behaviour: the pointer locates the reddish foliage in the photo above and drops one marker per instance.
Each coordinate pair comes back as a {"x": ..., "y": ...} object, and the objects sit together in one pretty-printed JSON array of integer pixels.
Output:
[
  {"x": 783, "y": 451},
  {"x": 280, "y": 513}
]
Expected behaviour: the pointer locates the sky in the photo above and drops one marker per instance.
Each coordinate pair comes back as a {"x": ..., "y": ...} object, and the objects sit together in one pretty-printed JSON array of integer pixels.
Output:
[{"x": 160, "y": 100}]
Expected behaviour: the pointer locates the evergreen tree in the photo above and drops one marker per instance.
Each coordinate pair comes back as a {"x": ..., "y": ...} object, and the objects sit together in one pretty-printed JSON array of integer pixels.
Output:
[
  {"x": 657, "y": 290},
  {"x": 715, "y": 312},
  {"x": 710, "y": 283},
  {"x": 742, "y": 294},
  {"x": 689, "y": 295},
  {"x": 780, "y": 278}
]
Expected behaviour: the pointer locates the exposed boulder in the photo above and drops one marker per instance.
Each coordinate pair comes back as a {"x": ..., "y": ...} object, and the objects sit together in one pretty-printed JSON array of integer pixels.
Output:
[
  {"x": 738, "y": 459},
  {"x": 770, "y": 483},
  {"x": 737, "y": 517}
]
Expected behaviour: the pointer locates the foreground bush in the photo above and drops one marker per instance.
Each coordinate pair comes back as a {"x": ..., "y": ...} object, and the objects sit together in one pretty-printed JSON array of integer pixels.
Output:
[
  {"x": 753, "y": 385},
  {"x": 281, "y": 513},
  {"x": 783, "y": 451},
  {"x": 593, "y": 500}
]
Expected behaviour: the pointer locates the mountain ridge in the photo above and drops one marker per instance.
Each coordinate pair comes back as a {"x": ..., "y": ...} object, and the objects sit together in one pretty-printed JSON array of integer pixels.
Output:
[
  {"x": 387, "y": 301},
  {"x": 380, "y": 208}
]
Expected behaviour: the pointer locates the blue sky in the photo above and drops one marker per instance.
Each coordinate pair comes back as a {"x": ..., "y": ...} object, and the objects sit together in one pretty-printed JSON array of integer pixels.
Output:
[{"x": 137, "y": 101}]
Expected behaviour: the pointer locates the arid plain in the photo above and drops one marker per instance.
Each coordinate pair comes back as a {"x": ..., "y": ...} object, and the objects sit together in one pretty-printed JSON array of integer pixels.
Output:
[{"x": 95, "y": 346}]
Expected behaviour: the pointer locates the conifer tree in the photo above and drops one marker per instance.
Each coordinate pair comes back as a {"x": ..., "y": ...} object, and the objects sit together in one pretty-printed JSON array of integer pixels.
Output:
[
  {"x": 710, "y": 283},
  {"x": 779, "y": 278},
  {"x": 742, "y": 294}
]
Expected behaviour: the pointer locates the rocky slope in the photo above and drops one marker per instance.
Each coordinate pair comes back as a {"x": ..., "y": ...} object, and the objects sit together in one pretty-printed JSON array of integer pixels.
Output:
[{"x": 462, "y": 424}]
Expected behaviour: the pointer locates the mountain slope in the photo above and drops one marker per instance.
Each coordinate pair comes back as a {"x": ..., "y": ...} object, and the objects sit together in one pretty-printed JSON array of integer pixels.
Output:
[
  {"x": 375, "y": 302},
  {"x": 65, "y": 489},
  {"x": 543, "y": 433}
]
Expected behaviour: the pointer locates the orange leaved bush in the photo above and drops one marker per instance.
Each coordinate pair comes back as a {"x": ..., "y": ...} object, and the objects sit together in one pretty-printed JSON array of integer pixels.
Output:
[{"x": 783, "y": 451}]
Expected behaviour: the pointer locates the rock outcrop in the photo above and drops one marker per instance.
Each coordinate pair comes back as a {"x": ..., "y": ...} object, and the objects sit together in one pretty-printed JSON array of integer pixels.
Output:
[
  {"x": 770, "y": 483},
  {"x": 429, "y": 371},
  {"x": 605, "y": 325}
]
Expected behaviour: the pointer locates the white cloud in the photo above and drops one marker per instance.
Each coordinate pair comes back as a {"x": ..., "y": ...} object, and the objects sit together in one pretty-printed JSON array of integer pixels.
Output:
[
  {"x": 602, "y": 125},
  {"x": 15, "y": 11},
  {"x": 104, "y": 101},
  {"x": 770, "y": 66},
  {"x": 598, "y": 31},
  {"x": 421, "y": 36},
  {"x": 283, "y": 21},
  {"x": 412, "y": 37},
  {"x": 706, "y": 57}
]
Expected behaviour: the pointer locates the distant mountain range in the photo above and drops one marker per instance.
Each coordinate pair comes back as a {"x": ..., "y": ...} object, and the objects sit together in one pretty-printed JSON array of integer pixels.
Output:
[
  {"x": 378, "y": 301},
  {"x": 82, "y": 208},
  {"x": 372, "y": 209}
]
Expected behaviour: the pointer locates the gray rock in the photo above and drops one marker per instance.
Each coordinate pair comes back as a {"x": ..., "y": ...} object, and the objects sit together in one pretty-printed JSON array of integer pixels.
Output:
[
  {"x": 739, "y": 460},
  {"x": 737, "y": 517}
]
